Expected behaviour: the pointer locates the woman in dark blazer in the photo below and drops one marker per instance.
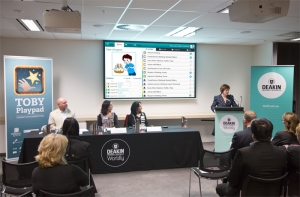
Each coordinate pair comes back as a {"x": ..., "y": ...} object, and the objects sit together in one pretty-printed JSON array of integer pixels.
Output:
[
  {"x": 288, "y": 136},
  {"x": 223, "y": 100}
]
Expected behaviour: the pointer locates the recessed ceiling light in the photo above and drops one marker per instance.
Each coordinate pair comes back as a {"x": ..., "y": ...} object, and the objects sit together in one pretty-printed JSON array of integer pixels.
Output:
[
  {"x": 184, "y": 32},
  {"x": 130, "y": 27},
  {"x": 295, "y": 39},
  {"x": 30, "y": 24},
  {"x": 225, "y": 11}
]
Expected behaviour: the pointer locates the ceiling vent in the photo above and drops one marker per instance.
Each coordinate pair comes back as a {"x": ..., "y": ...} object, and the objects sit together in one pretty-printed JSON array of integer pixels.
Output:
[{"x": 131, "y": 27}]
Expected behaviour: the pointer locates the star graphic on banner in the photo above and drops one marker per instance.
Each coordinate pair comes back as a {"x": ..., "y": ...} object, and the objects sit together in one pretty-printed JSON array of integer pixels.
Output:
[{"x": 33, "y": 77}]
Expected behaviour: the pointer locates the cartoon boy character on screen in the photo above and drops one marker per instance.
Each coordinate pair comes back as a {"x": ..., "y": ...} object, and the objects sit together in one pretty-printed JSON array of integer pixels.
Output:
[{"x": 129, "y": 66}]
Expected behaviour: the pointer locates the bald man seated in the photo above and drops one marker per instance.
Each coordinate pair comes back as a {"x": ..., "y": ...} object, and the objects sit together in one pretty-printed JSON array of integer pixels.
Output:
[{"x": 57, "y": 117}]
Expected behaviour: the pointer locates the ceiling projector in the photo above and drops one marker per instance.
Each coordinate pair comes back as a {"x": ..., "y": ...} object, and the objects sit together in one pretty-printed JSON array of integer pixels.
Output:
[
  {"x": 258, "y": 11},
  {"x": 60, "y": 21}
]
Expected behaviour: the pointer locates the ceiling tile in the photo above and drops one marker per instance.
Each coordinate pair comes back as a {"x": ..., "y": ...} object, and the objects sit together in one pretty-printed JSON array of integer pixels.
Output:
[
  {"x": 181, "y": 18},
  {"x": 157, "y": 30},
  {"x": 210, "y": 20},
  {"x": 141, "y": 17},
  {"x": 90, "y": 29},
  {"x": 153, "y": 4},
  {"x": 107, "y": 3},
  {"x": 41, "y": 35},
  {"x": 12, "y": 33},
  {"x": 198, "y": 5},
  {"x": 102, "y": 15},
  {"x": 29, "y": 10},
  {"x": 6, "y": 24},
  {"x": 67, "y": 36}
]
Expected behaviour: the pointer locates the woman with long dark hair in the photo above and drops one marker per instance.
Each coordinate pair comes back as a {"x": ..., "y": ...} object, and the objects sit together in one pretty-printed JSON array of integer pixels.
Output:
[{"x": 107, "y": 118}]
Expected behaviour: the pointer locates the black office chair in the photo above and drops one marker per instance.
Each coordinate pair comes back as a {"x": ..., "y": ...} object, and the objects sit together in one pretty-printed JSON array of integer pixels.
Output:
[
  {"x": 254, "y": 186},
  {"x": 82, "y": 163},
  {"x": 212, "y": 166},
  {"x": 293, "y": 188},
  {"x": 16, "y": 178},
  {"x": 87, "y": 192}
]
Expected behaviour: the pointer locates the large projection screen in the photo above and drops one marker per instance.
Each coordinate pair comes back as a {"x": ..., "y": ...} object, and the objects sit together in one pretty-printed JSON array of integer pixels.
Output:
[{"x": 149, "y": 70}]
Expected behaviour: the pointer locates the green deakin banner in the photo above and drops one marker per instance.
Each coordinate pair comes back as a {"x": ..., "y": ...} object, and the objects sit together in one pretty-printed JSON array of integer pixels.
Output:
[{"x": 272, "y": 93}]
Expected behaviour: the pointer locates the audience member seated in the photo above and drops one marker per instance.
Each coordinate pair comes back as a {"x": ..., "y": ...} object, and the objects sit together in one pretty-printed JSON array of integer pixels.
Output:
[
  {"x": 243, "y": 138},
  {"x": 137, "y": 115},
  {"x": 57, "y": 117},
  {"x": 77, "y": 148},
  {"x": 106, "y": 117},
  {"x": 287, "y": 137},
  {"x": 54, "y": 174},
  {"x": 293, "y": 155},
  {"x": 261, "y": 159}
]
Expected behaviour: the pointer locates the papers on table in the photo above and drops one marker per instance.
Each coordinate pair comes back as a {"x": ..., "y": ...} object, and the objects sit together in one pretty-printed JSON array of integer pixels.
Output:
[
  {"x": 153, "y": 129},
  {"x": 117, "y": 130}
]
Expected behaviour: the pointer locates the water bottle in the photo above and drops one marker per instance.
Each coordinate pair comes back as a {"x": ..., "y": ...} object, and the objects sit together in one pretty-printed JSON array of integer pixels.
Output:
[{"x": 137, "y": 126}]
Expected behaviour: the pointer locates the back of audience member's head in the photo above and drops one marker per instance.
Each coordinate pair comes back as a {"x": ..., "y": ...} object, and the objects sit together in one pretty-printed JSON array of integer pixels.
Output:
[
  {"x": 70, "y": 127},
  {"x": 134, "y": 107},
  {"x": 262, "y": 129},
  {"x": 52, "y": 150},
  {"x": 105, "y": 106},
  {"x": 292, "y": 120},
  {"x": 249, "y": 115}
]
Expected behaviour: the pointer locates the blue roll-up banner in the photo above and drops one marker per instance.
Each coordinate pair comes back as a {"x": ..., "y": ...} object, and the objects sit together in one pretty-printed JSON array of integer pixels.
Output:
[
  {"x": 28, "y": 98},
  {"x": 272, "y": 93}
]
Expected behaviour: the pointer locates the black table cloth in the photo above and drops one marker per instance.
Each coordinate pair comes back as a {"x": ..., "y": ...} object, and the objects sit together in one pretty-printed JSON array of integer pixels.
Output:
[{"x": 174, "y": 147}]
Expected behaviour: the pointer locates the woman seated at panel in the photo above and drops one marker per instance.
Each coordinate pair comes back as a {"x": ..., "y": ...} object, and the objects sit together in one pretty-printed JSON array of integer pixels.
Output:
[
  {"x": 288, "y": 136},
  {"x": 137, "y": 115},
  {"x": 77, "y": 148},
  {"x": 54, "y": 174},
  {"x": 106, "y": 117}
]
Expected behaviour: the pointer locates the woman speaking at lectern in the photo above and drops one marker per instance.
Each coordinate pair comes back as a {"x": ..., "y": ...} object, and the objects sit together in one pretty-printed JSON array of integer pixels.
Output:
[{"x": 223, "y": 100}]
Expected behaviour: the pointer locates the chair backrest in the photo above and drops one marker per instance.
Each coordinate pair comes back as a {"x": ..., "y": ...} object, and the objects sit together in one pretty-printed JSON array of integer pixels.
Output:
[
  {"x": 126, "y": 120},
  {"x": 215, "y": 161},
  {"x": 17, "y": 175},
  {"x": 87, "y": 192},
  {"x": 254, "y": 186},
  {"x": 293, "y": 188},
  {"x": 80, "y": 162}
]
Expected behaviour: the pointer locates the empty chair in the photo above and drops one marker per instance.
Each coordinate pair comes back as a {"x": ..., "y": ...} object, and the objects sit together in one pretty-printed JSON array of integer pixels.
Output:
[
  {"x": 16, "y": 178},
  {"x": 87, "y": 192},
  {"x": 254, "y": 186},
  {"x": 126, "y": 120},
  {"x": 212, "y": 165}
]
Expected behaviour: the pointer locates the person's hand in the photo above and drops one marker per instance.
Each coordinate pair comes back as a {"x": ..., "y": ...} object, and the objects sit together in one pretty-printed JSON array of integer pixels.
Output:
[{"x": 25, "y": 85}]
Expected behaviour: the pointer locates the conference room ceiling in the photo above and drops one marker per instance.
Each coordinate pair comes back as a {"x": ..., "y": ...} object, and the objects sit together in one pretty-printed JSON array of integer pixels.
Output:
[{"x": 159, "y": 16}]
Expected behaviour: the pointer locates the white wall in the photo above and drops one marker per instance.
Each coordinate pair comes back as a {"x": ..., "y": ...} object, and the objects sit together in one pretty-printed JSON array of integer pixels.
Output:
[
  {"x": 263, "y": 55},
  {"x": 77, "y": 76}
]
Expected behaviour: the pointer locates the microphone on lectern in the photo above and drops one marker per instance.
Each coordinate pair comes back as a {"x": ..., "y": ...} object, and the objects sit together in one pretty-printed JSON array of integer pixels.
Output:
[{"x": 241, "y": 101}]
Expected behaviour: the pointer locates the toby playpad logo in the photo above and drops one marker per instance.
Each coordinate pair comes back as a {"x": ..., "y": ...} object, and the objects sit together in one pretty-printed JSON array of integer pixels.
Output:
[
  {"x": 271, "y": 85},
  {"x": 229, "y": 124},
  {"x": 115, "y": 152}
]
